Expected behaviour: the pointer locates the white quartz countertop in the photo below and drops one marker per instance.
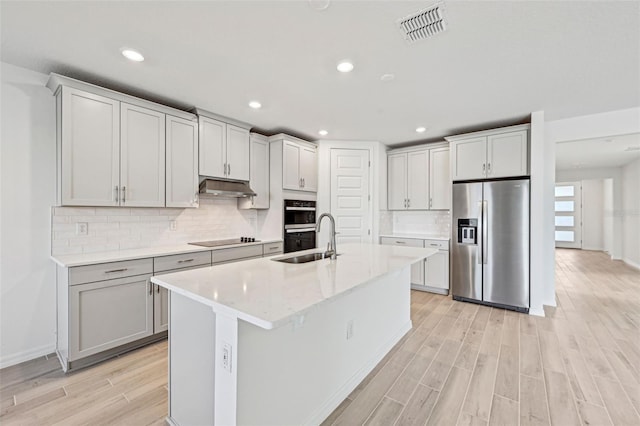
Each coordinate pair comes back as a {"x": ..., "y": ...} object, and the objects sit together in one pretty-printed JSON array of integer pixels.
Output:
[
  {"x": 269, "y": 293},
  {"x": 418, "y": 236},
  {"x": 70, "y": 260}
]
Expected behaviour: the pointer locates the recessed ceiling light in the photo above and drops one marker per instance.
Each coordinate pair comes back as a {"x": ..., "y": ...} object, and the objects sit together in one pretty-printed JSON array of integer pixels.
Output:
[
  {"x": 323, "y": 133},
  {"x": 421, "y": 129},
  {"x": 132, "y": 55},
  {"x": 345, "y": 66},
  {"x": 255, "y": 104},
  {"x": 387, "y": 77}
]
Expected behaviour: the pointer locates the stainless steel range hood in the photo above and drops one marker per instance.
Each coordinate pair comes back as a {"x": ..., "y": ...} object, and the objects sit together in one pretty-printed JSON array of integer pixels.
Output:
[{"x": 225, "y": 188}]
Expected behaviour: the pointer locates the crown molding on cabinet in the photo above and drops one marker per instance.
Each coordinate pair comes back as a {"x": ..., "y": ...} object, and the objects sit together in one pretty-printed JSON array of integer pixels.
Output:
[
  {"x": 421, "y": 147},
  {"x": 56, "y": 81},
  {"x": 488, "y": 132},
  {"x": 214, "y": 116}
]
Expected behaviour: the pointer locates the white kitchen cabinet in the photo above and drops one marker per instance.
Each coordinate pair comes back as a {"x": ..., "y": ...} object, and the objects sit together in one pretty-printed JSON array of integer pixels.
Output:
[
  {"x": 88, "y": 148},
  {"x": 259, "y": 174},
  {"x": 224, "y": 148},
  {"x": 182, "y": 163},
  {"x": 161, "y": 308},
  {"x": 107, "y": 314},
  {"x": 142, "y": 157},
  {"x": 439, "y": 179},
  {"x": 417, "y": 269},
  {"x": 299, "y": 163},
  {"x": 238, "y": 143},
  {"x": 110, "y": 146},
  {"x": 436, "y": 272},
  {"x": 490, "y": 154},
  {"x": 409, "y": 178}
]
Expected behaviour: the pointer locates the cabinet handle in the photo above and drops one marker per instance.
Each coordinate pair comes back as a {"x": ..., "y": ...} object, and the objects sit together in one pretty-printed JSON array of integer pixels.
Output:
[
  {"x": 224, "y": 167},
  {"x": 117, "y": 190},
  {"x": 274, "y": 248},
  {"x": 228, "y": 169},
  {"x": 489, "y": 168},
  {"x": 300, "y": 183},
  {"x": 124, "y": 194},
  {"x": 185, "y": 260},
  {"x": 408, "y": 202},
  {"x": 150, "y": 287},
  {"x": 157, "y": 289},
  {"x": 430, "y": 202},
  {"x": 433, "y": 245},
  {"x": 115, "y": 270},
  {"x": 401, "y": 242},
  {"x": 483, "y": 167}
]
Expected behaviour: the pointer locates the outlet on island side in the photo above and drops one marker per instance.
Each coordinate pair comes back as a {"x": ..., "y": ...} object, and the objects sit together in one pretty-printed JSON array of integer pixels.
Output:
[
  {"x": 82, "y": 228},
  {"x": 349, "y": 329},
  {"x": 226, "y": 357}
]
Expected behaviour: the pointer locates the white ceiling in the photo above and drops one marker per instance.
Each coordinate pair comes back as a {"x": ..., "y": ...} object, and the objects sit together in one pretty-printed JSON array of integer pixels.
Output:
[
  {"x": 613, "y": 151},
  {"x": 496, "y": 63}
]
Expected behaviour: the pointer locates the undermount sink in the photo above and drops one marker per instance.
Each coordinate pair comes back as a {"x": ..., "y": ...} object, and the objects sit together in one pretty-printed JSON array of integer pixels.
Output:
[{"x": 303, "y": 258}]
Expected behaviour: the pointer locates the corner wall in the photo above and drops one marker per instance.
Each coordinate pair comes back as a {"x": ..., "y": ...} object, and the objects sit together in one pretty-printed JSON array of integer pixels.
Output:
[
  {"x": 631, "y": 214},
  {"x": 28, "y": 179}
]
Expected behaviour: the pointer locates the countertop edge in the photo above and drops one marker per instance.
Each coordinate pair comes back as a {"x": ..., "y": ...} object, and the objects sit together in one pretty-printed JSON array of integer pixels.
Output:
[
  {"x": 144, "y": 253},
  {"x": 417, "y": 236}
]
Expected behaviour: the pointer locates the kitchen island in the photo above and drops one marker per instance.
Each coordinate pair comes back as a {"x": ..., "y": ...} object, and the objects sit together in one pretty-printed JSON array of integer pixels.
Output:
[{"x": 272, "y": 343}]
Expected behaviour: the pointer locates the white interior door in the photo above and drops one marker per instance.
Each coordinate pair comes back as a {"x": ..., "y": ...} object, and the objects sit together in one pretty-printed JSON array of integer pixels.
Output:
[
  {"x": 568, "y": 216},
  {"x": 350, "y": 197}
]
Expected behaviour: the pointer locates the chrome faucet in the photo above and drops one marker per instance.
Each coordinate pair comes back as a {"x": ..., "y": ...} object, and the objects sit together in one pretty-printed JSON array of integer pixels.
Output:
[{"x": 331, "y": 246}]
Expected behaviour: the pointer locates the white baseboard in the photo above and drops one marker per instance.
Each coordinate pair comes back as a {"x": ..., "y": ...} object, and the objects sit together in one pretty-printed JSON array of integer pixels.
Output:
[
  {"x": 632, "y": 263},
  {"x": 538, "y": 311},
  {"x": 17, "y": 358},
  {"x": 341, "y": 394}
]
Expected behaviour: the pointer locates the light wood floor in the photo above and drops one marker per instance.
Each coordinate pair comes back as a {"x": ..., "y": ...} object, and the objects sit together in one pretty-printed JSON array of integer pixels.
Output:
[{"x": 461, "y": 364}]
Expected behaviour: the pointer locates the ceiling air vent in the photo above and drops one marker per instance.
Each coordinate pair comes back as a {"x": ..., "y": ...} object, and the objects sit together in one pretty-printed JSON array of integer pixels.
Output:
[{"x": 424, "y": 24}]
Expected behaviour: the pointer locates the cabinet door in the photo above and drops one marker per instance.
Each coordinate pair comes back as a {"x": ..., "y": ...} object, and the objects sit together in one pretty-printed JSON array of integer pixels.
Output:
[
  {"x": 107, "y": 314},
  {"x": 182, "y": 163},
  {"x": 439, "y": 180},
  {"x": 418, "y": 180},
  {"x": 468, "y": 159},
  {"x": 160, "y": 309},
  {"x": 213, "y": 145},
  {"x": 507, "y": 155},
  {"x": 237, "y": 153},
  {"x": 397, "y": 181},
  {"x": 436, "y": 273},
  {"x": 142, "y": 157},
  {"x": 89, "y": 151},
  {"x": 309, "y": 168},
  {"x": 259, "y": 180},
  {"x": 291, "y": 166}
]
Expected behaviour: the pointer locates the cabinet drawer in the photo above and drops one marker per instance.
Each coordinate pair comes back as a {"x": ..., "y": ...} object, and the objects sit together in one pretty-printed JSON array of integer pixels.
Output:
[
  {"x": 180, "y": 261},
  {"x": 236, "y": 253},
  {"x": 111, "y": 270},
  {"x": 439, "y": 244},
  {"x": 408, "y": 242},
  {"x": 272, "y": 248}
]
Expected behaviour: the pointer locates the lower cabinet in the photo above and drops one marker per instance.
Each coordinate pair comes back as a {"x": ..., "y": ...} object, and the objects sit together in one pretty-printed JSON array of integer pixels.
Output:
[
  {"x": 107, "y": 314},
  {"x": 433, "y": 274},
  {"x": 160, "y": 309}
]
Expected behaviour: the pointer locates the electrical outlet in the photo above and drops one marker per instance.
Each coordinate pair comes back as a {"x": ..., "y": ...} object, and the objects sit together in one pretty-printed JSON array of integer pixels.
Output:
[
  {"x": 173, "y": 225},
  {"x": 226, "y": 356},
  {"x": 349, "y": 329},
  {"x": 82, "y": 228}
]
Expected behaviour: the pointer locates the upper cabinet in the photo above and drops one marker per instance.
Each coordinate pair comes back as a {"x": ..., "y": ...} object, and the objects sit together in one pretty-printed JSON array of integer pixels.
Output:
[
  {"x": 259, "y": 174},
  {"x": 418, "y": 179},
  {"x": 490, "y": 154},
  {"x": 299, "y": 162},
  {"x": 182, "y": 163},
  {"x": 224, "y": 147},
  {"x": 111, "y": 148}
]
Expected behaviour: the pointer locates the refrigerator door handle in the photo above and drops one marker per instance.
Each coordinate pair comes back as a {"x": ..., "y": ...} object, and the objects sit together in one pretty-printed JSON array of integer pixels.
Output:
[
  {"x": 485, "y": 232},
  {"x": 480, "y": 232}
]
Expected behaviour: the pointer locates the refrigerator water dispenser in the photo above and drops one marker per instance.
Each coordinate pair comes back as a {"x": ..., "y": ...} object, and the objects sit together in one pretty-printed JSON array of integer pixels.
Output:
[{"x": 468, "y": 231}]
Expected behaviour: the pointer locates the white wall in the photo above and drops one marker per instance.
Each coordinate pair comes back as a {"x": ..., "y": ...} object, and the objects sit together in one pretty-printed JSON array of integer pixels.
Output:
[
  {"x": 28, "y": 157},
  {"x": 615, "y": 174},
  {"x": 631, "y": 213},
  {"x": 592, "y": 214}
]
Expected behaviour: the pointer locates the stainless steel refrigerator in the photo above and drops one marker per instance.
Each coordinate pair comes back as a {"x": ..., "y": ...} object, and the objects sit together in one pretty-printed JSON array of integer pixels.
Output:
[{"x": 490, "y": 243}]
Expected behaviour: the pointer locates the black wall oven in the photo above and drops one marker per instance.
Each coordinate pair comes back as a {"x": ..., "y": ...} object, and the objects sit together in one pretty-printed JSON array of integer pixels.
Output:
[{"x": 299, "y": 225}]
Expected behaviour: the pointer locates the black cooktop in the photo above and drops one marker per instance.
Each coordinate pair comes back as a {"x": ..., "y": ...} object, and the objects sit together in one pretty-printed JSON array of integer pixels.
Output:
[{"x": 232, "y": 241}]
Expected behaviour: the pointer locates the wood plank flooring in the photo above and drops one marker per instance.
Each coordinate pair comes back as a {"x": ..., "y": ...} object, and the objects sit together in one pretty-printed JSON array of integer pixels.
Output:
[{"x": 461, "y": 364}]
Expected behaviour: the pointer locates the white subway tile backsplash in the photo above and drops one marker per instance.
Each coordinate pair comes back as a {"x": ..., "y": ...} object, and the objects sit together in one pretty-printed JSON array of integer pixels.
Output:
[
  {"x": 113, "y": 228},
  {"x": 422, "y": 222}
]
